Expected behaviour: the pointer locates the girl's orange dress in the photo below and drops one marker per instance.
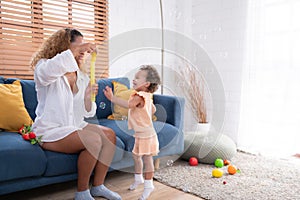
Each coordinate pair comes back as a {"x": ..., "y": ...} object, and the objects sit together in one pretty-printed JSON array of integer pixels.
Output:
[{"x": 140, "y": 120}]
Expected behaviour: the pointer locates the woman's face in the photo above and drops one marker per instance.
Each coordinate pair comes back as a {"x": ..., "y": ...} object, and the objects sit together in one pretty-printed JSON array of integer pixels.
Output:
[{"x": 79, "y": 58}]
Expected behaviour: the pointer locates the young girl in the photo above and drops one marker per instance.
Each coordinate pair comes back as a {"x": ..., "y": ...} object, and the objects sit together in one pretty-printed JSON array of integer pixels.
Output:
[{"x": 141, "y": 109}]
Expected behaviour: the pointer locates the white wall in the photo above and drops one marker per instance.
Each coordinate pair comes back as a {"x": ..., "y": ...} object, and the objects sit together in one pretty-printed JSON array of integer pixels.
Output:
[{"x": 218, "y": 26}]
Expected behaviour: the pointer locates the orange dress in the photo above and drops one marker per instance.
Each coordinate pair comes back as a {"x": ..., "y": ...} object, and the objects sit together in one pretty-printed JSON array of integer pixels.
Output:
[{"x": 140, "y": 120}]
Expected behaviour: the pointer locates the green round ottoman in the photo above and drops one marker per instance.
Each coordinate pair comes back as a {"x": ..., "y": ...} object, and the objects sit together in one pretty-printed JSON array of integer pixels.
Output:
[{"x": 208, "y": 147}]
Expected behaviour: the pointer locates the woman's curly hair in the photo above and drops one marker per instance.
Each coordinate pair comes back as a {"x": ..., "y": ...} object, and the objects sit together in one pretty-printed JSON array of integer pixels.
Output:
[
  {"x": 152, "y": 76},
  {"x": 55, "y": 44}
]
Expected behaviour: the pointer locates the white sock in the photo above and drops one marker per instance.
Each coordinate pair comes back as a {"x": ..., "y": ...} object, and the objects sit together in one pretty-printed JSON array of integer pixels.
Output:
[
  {"x": 84, "y": 195},
  {"x": 148, "y": 188},
  {"x": 102, "y": 191},
  {"x": 138, "y": 179}
]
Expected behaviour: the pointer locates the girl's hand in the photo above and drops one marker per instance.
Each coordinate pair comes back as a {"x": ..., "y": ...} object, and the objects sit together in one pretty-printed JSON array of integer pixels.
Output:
[
  {"x": 108, "y": 93},
  {"x": 78, "y": 49}
]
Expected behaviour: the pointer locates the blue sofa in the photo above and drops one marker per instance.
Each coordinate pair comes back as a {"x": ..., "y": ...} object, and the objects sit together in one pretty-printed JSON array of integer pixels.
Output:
[{"x": 24, "y": 166}]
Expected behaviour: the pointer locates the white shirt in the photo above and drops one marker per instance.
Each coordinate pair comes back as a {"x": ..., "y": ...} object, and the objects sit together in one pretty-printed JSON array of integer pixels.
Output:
[{"x": 59, "y": 112}]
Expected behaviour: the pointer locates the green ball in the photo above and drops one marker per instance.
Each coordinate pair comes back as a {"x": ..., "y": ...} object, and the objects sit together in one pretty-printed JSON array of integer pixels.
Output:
[{"x": 219, "y": 163}]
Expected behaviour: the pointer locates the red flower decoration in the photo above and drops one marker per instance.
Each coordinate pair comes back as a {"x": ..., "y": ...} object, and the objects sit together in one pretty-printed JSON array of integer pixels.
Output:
[{"x": 27, "y": 134}]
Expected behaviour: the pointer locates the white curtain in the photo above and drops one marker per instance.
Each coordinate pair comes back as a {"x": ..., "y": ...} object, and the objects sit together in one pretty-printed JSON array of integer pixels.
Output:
[{"x": 270, "y": 108}]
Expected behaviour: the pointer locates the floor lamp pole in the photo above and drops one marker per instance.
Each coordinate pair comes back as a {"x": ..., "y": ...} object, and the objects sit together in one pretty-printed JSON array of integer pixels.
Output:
[{"x": 162, "y": 47}]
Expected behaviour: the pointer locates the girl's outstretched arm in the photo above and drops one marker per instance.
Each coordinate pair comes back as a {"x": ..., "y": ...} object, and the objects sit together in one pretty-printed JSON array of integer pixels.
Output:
[{"x": 116, "y": 100}]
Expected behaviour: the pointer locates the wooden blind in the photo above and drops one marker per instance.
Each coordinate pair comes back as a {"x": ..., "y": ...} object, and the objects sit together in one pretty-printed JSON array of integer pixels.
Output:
[{"x": 25, "y": 24}]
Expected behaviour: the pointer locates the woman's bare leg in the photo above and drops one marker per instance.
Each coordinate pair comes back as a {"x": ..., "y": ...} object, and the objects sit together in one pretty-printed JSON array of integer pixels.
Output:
[
  {"x": 106, "y": 155},
  {"x": 77, "y": 142}
]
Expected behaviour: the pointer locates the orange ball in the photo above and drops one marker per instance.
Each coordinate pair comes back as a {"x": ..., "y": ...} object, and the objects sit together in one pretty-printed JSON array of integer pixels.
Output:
[{"x": 231, "y": 169}]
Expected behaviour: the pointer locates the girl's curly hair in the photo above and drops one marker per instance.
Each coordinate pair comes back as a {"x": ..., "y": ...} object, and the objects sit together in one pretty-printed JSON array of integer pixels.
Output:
[
  {"x": 55, "y": 44},
  {"x": 152, "y": 76}
]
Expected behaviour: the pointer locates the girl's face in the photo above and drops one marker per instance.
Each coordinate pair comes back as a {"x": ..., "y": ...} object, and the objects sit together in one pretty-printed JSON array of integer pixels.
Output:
[
  {"x": 140, "y": 82},
  {"x": 80, "y": 58}
]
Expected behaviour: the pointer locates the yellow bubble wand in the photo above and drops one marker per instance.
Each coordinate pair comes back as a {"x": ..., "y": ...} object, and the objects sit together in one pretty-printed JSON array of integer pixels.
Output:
[{"x": 92, "y": 71}]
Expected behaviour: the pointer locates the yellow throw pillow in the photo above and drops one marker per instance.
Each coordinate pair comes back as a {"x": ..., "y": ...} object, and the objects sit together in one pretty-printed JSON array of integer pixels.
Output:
[
  {"x": 122, "y": 91},
  {"x": 13, "y": 112}
]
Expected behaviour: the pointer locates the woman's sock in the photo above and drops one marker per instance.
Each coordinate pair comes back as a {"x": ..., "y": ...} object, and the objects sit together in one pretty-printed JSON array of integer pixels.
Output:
[
  {"x": 102, "y": 191},
  {"x": 138, "y": 179},
  {"x": 148, "y": 188},
  {"x": 84, "y": 195}
]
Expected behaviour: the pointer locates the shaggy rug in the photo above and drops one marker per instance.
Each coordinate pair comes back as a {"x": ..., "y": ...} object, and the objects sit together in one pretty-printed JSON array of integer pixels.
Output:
[{"x": 259, "y": 178}]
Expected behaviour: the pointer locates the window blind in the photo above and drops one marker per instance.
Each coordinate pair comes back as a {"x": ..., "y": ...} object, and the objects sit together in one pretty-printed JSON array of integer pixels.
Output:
[{"x": 25, "y": 24}]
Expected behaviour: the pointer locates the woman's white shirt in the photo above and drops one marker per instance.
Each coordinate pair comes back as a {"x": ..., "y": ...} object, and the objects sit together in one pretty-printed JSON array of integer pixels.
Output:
[{"x": 59, "y": 111}]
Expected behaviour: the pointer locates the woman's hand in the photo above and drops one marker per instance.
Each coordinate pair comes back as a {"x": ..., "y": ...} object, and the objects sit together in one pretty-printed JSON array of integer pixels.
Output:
[
  {"x": 78, "y": 49},
  {"x": 108, "y": 93},
  {"x": 91, "y": 89},
  {"x": 88, "y": 94}
]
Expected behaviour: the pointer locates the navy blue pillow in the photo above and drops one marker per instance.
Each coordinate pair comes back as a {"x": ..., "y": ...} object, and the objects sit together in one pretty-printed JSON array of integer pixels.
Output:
[{"x": 1, "y": 79}]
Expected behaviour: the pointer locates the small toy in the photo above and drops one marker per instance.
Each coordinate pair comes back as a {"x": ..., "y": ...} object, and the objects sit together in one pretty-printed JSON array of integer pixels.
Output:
[
  {"x": 226, "y": 162},
  {"x": 219, "y": 163},
  {"x": 193, "y": 161},
  {"x": 231, "y": 169},
  {"x": 217, "y": 173}
]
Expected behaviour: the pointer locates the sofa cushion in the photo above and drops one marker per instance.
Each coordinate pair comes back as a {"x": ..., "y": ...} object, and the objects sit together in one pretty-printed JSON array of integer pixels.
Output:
[
  {"x": 119, "y": 150},
  {"x": 12, "y": 104},
  {"x": 104, "y": 108},
  {"x": 19, "y": 158},
  {"x": 61, "y": 164},
  {"x": 29, "y": 95},
  {"x": 165, "y": 132}
]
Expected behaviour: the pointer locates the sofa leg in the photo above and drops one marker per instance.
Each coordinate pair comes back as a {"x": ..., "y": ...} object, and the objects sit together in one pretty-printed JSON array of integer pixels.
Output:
[{"x": 156, "y": 163}]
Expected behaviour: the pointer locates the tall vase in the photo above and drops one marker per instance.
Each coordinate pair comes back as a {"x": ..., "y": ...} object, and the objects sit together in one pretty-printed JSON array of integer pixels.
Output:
[{"x": 202, "y": 128}]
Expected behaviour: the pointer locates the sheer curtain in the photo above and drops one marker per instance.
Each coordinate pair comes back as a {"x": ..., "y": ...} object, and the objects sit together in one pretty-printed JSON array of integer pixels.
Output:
[{"x": 270, "y": 109}]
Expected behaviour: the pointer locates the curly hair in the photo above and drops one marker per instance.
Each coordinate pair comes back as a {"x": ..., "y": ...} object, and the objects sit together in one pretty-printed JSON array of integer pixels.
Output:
[
  {"x": 152, "y": 76},
  {"x": 55, "y": 44}
]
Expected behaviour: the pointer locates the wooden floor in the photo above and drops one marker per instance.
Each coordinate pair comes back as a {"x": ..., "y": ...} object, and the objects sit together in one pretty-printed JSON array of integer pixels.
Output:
[{"x": 116, "y": 181}]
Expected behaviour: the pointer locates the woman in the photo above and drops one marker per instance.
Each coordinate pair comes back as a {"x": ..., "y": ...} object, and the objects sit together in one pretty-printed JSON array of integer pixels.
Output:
[{"x": 64, "y": 99}]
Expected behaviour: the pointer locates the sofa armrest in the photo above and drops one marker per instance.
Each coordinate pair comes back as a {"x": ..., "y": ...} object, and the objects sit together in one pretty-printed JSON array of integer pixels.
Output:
[{"x": 169, "y": 109}]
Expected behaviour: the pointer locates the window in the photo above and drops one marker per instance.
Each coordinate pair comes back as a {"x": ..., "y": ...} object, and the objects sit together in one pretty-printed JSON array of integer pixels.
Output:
[{"x": 26, "y": 23}]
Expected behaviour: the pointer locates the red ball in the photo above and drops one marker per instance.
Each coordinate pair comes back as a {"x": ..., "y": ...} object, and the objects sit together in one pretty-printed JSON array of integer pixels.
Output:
[{"x": 193, "y": 161}]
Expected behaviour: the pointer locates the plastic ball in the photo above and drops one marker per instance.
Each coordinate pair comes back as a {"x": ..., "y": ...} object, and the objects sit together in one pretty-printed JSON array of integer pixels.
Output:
[
  {"x": 226, "y": 162},
  {"x": 219, "y": 163},
  {"x": 102, "y": 105},
  {"x": 217, "y": 173},
  {"x": 193, "y": 161},
  {"x": 231, "y": 169}
]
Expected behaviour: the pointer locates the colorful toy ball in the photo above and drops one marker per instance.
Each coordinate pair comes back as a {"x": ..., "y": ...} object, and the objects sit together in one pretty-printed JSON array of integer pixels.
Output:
[
  {"x": 231, "y": 169},
  {"x": 217, "y": 173},
  {"x": 193, "y": 161},
  {"x": 219, "y": 163},
  {"x": 226, "y": 162}
]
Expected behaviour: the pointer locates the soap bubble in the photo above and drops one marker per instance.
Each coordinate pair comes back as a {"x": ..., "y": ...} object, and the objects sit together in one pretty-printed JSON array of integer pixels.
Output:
[
  {"x": 102, "y": 105},
  {"x": 186, "y": 188},
  {"x": 170, "y": 163}
]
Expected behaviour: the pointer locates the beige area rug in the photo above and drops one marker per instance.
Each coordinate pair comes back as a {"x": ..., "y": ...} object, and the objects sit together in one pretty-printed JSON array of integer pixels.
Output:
[{"x": 260, "y": 178}]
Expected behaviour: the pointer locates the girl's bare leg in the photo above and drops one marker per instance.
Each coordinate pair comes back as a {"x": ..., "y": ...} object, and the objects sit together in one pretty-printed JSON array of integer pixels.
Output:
[
  {"x": 138, "y": 172},
  {"x": 149, "y": 173}
]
